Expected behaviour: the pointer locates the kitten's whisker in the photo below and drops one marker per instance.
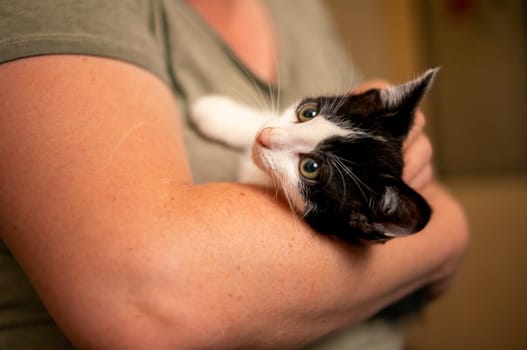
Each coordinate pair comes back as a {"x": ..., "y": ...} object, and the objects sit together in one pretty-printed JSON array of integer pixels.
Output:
[
  {"x": 340, "y": 102},
  {"x": 271, "y": 98},
  {"x": 360, "y": 184},
  {"x": 354, "y": 176},
  {"x": 264, "y": 102},
  {"x": 341, "y": 167},
  {"x": 344, "y": 160},
  {"x": 343, "y": 181},
  {"x": 331, "y": 107},
  {"x": 278, "y": 81},
  {"x": 351, "y": 72},
  {"x": 291, "y": 206},
  {"x": 257, "y": 94},
  {"x": 276, "y": 186}
]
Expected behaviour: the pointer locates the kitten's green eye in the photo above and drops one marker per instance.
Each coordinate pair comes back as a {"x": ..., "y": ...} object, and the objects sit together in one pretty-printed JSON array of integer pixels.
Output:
[
  {"x": 309, "y": 168},
  {"x": 307, "y": 111}
]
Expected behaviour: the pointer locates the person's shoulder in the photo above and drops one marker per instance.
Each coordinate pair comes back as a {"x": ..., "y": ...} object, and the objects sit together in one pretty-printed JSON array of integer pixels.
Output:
[{"x": 129, "y": 30}]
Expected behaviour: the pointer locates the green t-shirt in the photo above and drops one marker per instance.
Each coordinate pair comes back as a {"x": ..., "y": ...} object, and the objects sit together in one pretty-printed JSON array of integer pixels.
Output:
[{"x": 168, "y": 39}]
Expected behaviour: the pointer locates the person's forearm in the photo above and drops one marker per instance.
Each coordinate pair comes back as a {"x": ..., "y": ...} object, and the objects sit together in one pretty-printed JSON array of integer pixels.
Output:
[
  {"x": 316, "y": 284},
  {"x": 242, "y": 284},
  {"x": 260, "y": 283},
  {"x": 257, "y": 283}
]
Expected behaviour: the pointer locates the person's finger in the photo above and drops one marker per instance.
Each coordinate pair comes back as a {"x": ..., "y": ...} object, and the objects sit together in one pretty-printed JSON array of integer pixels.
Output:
[
  {"x": 417, "y": 128},
  {"x": 422, "y": 178},
  {"x": 417, "y": 156}
]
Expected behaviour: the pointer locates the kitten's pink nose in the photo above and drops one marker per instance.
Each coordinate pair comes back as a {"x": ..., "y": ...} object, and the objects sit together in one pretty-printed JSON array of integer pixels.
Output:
[
  {"x": 272, "y": 137},
  {"x": 264, "y": 137}
]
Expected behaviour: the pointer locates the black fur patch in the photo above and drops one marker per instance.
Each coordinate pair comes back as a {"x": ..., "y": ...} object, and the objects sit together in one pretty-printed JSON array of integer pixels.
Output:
[{"x": 359, "y": 194}]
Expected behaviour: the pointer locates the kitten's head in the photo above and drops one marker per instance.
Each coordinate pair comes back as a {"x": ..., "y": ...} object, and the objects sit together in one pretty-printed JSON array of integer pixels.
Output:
[{"x": 339, "y": 161}]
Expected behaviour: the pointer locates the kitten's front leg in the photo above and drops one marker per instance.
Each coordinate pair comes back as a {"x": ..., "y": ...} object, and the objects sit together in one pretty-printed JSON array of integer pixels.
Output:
[{"x": 224, "y": 120}]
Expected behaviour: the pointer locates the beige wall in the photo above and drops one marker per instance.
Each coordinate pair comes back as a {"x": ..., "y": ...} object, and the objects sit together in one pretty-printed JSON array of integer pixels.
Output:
[
  {"x": 482, "y": 94},
  {"x": 478, "y": 106},
  {"x": 380, "y": 39}
]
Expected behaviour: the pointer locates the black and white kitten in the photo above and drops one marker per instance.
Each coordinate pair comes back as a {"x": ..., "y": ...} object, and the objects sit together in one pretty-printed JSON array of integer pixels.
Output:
[{"x": 338, "y": 159}]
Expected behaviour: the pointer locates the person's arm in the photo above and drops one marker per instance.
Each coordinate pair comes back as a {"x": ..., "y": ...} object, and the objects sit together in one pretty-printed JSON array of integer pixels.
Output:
[{"x": 98, "y": 206}]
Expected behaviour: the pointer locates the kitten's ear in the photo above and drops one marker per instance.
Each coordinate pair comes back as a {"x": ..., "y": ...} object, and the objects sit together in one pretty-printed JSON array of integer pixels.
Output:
[
  {"x": 401, "y": 211},
  {"x": 408, "y": 95},
  {"x": 398, "y": 103}
]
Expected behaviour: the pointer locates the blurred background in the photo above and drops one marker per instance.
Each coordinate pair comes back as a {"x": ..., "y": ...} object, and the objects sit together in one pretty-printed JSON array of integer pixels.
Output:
[{"x": 477, "y": 117}]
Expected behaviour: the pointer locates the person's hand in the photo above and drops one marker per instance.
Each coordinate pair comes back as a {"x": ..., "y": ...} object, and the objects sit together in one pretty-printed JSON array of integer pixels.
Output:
[
  {"x": 418, "y": 173},
  {"x": 417, "y": 149}
]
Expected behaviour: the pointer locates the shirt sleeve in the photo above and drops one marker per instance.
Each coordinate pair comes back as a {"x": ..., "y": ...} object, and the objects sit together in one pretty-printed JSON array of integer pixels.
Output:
[{"x": 129, "y": 30}]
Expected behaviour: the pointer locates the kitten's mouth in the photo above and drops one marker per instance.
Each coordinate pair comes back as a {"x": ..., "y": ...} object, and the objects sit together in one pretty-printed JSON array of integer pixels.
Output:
[
  {"x": 264, "y": 138},
  {"x": 258, "y": 159},
  {"x": 264, "y": 158},
  {"x": 261, "y": 145}
]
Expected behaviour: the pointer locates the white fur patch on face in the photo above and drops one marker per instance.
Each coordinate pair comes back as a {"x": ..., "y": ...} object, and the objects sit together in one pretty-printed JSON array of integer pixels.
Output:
[
  {"x": 282, "y": 166},
  {"x": 286, "y": 133}
]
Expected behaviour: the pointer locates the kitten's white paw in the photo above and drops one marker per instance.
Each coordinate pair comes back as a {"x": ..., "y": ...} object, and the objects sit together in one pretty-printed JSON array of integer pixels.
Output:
[
  {"x": 213, "y": 117},
  {"x": 208, "y": 109},
  {"x": 222, "y": 119}
]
